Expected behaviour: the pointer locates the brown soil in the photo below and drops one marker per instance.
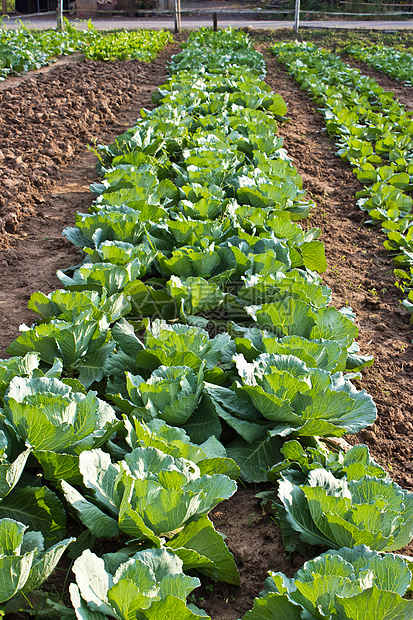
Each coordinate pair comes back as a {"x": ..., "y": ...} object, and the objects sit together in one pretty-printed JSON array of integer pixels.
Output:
[
  {"x": 46, "y": 122},
  {"x": 59, "y": 61},
  {"x": 45, "y": 119}
]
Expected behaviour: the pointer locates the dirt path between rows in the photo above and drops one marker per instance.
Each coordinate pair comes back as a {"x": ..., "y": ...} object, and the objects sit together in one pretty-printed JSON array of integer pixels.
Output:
[{"x": 47, "y": 121}]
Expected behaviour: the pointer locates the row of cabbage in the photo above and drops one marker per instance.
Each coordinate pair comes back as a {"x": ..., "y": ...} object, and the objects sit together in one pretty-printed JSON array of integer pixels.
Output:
[
  {"x": 394, "y": 62},
  {"x": 199, "y": 320},
  {"x": 24, "y": 49},
  {"x": 161, "y": 485},
  {"x": 348, "y": 503},
  {"x": 374, "y": 133}
]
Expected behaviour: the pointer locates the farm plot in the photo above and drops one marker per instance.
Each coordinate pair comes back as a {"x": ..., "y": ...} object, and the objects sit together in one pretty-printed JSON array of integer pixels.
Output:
[
  {"x": 41, "y": 130},
  {"x": 373, "y": 134},
  {"x": 22, "y": 50},
  {"x": 229, "y": 614}
]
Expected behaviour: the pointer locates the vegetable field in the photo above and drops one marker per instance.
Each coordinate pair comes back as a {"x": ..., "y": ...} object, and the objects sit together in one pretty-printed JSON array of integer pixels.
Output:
[
  {"x": 220, "y": 322},
  {"x": 23, "y": 50}
]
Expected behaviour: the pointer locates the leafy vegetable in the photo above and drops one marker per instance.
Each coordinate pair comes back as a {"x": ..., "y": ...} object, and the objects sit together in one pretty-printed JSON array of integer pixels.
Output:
[
  {"x": 26, "y": 49},
  {"x": 298, "y": 463},
  {"x": 148, "y": 585},
  {"x": 344, "y": 584},
  {"x": 24, "y": 563},
  {"x": 57, "y": 423},
  {"x": 140, "y": 44},
  {"x": 193, "y": 222},
  {"x": 373, "y": 133},
  {"x": 171, "y": 393},
  {"x": 350, "y": 510},
  {"x": 150, "y": 495}
]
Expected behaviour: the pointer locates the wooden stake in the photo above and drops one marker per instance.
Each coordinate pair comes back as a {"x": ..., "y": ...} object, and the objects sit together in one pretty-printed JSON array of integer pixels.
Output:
[
  {"x": 59, "y": 15},
  {"x": 177, "y": 15},
  {"x": 297, "y": 16}
]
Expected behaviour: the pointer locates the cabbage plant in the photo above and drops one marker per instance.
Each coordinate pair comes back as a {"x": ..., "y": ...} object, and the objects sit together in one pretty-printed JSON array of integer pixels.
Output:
[
  {"x": 82, "y": 344},
  {"x": 57, "y": 423},
  {"x": 347, "y": 511},
  {"x": 154, "y": 497},
  {"x": 147, "y": 586},
  {"x": 347, "y": 584},
  {"x": 303, "y": 400},
  {"x": 299, "y": 461},
  {"x": 171, "y": 393},
  {"x": 280, "y": 395},
  {"x": 67, "y": 305},
  {"x": 166, "y": 345},
  {"x": 183, "y": 345},
  {"x": 24, "y": 564}
]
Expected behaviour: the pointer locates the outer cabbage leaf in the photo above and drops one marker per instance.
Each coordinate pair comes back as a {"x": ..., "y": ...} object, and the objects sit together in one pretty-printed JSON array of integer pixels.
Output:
[
  {"x": 39, "y": 508},
  {"x": 199, "y": 542},
  {"x": 272, "y": 607},
  {"x": 255, "y": 458},
  {"x": 374, "y": 603},
  {"x": 10, "y": 473}
]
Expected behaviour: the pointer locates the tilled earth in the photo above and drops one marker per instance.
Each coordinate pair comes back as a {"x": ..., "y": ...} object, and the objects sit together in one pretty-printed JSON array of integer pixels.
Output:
[
  {"x": 46, "y": 122},
  {"x": 47, "y": 118}
]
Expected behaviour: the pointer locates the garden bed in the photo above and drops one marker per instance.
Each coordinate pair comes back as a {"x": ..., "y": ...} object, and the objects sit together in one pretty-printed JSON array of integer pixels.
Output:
[
  {"x": 360, "y": 273},
  {"x": 45, "y": 190}
]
